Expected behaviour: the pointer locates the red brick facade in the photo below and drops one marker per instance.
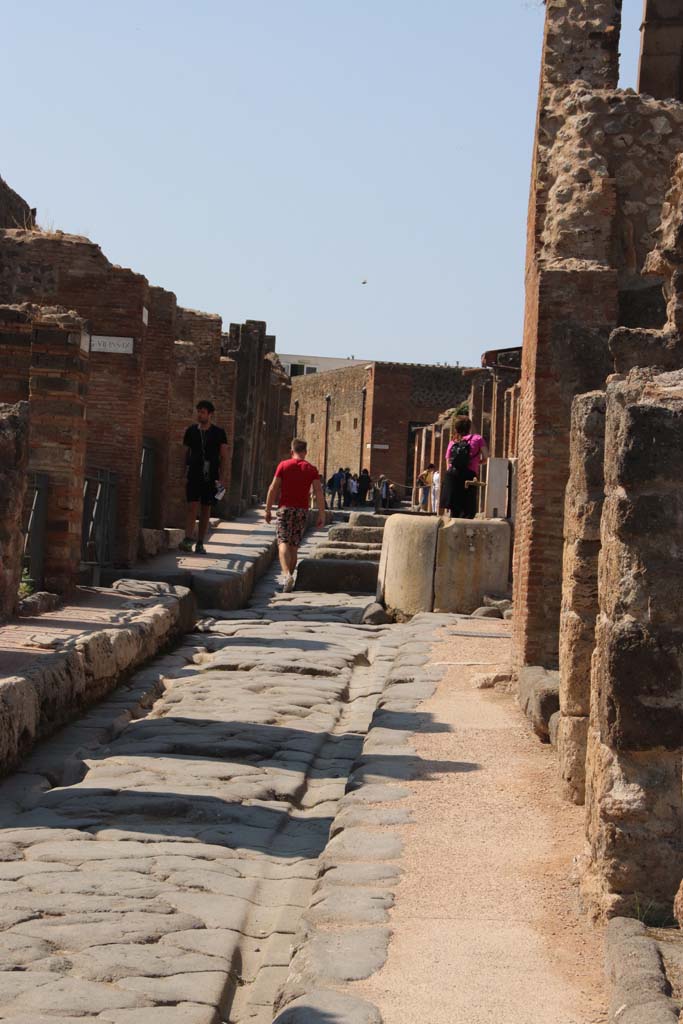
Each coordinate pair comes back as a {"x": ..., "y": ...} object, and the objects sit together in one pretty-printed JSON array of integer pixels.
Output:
[
  {"x": 128, "y": 387},
  {"x": 372, "y": 414}
]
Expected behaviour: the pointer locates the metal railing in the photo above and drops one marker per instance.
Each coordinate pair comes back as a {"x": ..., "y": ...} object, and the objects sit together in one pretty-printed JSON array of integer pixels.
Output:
[
  {"x": 99, "y": 520},
  {"x": 35, "y": 524}
]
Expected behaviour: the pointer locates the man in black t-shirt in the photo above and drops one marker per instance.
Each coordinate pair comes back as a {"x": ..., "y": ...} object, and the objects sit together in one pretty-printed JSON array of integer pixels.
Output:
[{"x": 206, "y": 462}]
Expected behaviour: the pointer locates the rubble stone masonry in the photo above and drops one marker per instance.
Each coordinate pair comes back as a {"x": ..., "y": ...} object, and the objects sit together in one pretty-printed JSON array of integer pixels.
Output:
[
  {"x": 634, "y": 767},
  {"x": 583, "y": 508}
]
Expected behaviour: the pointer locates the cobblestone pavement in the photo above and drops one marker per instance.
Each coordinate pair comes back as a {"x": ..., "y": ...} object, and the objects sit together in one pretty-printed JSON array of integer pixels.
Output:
[{"x": 158, "y": 855}]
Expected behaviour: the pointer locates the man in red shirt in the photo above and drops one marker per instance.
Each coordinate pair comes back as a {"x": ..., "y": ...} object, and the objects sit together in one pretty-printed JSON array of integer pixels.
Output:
[{"x": 290, "y": 489}]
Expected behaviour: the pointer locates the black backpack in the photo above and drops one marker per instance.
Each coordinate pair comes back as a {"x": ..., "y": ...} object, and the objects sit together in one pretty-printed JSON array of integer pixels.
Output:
[{"x": 459, "y": 456}]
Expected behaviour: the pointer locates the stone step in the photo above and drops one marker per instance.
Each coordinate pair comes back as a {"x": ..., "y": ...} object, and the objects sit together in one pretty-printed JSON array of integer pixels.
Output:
[
  {"x": 357, "y": 534},
  {"x": 347, "y": 554}
]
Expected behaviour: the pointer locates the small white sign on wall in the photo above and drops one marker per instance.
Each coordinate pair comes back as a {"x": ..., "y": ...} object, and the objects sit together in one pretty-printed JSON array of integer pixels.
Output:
[
  {"x": 105, "y": 343},
  {"x": 145, "y": 315}
]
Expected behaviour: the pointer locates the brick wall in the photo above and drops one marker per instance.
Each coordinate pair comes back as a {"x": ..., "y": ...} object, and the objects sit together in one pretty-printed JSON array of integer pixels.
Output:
[
  {"x": 404, "y": 395},
  {"x": 14, "y": 211},
  {"x": 158, "y": 376},
  {"x": 398, "y": 398},
  {"x": 343, "y": 420},
  {"x": 593, "y": 217},
  {"x": 72, "y": 272},
  {"x": 13, "y": 464},
  {"x": 57, "y": 422},
  {"x": 181, "y": 415}
]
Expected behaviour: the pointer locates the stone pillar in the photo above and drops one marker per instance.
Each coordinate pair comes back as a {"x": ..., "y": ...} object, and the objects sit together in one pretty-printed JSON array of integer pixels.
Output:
[
  {"x": 13, "y": 464},
  {"x": 661, "y": 50},
  {"x": 57, "y": 408},
  {"x": 582, "y": 510},
  {"x": 497, "y": 438},
  {"x": 634, "y": 765}
]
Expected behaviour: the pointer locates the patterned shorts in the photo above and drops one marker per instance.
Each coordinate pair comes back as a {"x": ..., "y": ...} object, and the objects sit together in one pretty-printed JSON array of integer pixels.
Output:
[{"x": 291, "y": 524}]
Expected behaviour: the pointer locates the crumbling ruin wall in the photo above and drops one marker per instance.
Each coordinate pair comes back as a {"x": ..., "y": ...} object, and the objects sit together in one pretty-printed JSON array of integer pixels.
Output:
[
  {"x": 634, "y": 767},
  {"x": 14, "y": 211},
  {"x": 583, "y": 508},
  {"x": 13, "y": 465},
  {"x": 602, "y": 164}
]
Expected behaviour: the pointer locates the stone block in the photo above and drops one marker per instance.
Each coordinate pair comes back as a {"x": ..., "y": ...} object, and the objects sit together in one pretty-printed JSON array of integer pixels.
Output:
[
  {"x": 572, "y": 739},
  {"x": 367, "y": 519},
  {"x": 406, "y": 572},
  {"x": 539, "y": 697},
  {"x": 634, "y": 813},
  {"x": 472, "y": 559},
  {"x": 375, "y": 614},
  {"x": 329, "y": 576},
  {"x": 352, "y": 554},
  {"x": 356, "y": 534}
]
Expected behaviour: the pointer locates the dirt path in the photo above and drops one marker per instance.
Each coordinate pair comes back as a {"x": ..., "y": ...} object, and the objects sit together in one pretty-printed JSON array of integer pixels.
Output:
[{"x": 486, "y": 925}]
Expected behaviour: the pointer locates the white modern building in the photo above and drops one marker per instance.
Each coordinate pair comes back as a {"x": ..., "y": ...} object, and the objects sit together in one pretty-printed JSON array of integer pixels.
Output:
[{"x": 300, "y": 366}]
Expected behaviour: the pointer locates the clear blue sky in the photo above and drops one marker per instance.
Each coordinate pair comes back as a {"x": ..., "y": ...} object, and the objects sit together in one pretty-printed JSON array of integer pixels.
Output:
[{"x": 261, "y": 158}]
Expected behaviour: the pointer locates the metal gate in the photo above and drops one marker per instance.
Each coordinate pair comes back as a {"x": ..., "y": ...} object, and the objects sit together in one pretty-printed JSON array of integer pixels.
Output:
[
  {"x": 99, "y": 520},
  {"x": 35, "y": 521}
]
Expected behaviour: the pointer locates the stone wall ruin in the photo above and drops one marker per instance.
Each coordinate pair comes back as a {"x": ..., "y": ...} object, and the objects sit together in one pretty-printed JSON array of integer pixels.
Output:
[{"x": 597, "y": 566}]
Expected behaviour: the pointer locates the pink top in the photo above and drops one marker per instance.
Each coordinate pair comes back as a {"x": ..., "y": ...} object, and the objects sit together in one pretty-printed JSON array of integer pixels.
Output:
[{"x": 476, "y": 443}]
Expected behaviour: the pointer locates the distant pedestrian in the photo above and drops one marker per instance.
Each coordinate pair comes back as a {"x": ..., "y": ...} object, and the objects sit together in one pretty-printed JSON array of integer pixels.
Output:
[
  {"x": 206, "y": 468},
  {"x": 464, "y": 457},
  {"x": 364, "y": 485},
  {"x": 291, "y": 490},
  {"x": 353, "y": 487},
  {"x": 335, "y": 485},
  {"x": 424, "y": 484},
  {"x": 436, "y": 487},
  {"x": 347, "y": 487}
]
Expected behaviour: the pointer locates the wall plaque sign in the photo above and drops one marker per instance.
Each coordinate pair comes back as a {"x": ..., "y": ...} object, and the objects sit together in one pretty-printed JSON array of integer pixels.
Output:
[{"x": 105, "y": 343}]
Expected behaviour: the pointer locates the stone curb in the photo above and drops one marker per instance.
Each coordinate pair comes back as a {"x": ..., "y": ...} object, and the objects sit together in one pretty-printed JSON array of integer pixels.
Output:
[
  {"x": 59, "y": 686},
  {"x": 344, "y": 934},
  {"x": 641, "y": 992}
]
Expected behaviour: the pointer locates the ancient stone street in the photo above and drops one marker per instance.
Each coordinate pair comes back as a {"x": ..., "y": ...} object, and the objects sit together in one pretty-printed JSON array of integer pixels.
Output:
[{"x": 160, "y": 871}]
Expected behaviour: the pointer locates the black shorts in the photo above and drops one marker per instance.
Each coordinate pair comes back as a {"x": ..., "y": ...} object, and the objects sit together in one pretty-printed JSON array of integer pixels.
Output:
[{"x": 199, "y": 489}]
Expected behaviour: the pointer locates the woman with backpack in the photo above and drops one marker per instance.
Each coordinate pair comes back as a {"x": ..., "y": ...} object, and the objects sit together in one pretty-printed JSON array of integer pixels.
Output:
[{"x": 464, "y": 456}]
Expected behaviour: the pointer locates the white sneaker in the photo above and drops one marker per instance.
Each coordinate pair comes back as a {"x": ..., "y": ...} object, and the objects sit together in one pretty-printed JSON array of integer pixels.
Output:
[{"x": 288, "y": 585}]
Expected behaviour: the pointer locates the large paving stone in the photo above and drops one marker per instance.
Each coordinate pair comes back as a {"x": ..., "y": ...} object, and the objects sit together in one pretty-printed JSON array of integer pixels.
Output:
[{"x": 328, "y": 1005}]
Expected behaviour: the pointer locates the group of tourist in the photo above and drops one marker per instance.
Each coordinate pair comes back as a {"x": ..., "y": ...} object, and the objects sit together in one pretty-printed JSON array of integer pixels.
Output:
[{"x": 349, "y": 489}]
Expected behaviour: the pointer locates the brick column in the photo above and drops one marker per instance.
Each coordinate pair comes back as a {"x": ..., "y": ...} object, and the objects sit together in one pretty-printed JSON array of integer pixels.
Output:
[
  {"x": 57, "y": 404},
  {"x": 582, "y": 510},
  {"x": 16, "y": 331},
  {"x": 569, "y": 316},
  {"x": 633, "y": 785},
  {"x": 158, "y": 376},
  {"x": 181, "y": 415},
  {"x": 13, "y": 463}
]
